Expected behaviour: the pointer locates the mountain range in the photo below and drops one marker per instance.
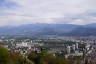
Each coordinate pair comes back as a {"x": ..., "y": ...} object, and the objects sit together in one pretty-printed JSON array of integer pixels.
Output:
[{"x": 50, "y": 29}]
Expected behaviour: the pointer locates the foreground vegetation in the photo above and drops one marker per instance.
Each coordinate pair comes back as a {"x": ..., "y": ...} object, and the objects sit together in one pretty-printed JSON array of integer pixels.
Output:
[{"x": 12, "y": 57}]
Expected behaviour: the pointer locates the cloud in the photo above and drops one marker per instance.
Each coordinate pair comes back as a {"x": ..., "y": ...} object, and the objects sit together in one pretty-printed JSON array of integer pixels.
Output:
[{"x": 18, "y": 12}]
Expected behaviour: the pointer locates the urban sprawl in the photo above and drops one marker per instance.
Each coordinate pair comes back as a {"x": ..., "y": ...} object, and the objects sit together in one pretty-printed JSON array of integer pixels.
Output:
[{"x": 58, "y": 46}]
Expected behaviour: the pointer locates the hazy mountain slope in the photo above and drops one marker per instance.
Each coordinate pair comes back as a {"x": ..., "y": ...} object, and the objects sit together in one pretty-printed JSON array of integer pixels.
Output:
[
  {"x": 83, "y": 31},
  {"x": 51, "y": 29},
  {"x": 38, "y": 29},
  {"x": 91, "y": 25}
]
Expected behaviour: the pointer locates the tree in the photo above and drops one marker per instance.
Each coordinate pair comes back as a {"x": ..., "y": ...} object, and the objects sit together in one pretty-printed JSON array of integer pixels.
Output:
[{"x": 4, "y": 56}]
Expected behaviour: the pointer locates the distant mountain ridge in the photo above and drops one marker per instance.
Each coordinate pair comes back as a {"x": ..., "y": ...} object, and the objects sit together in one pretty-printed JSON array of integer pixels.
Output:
[
  {"x": 51, "y": 29},
  {"x": 91, "y": 25}
]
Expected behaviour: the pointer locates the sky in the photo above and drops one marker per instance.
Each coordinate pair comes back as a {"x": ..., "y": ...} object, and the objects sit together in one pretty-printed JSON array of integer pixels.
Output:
[{"x": 20, "y": 12}]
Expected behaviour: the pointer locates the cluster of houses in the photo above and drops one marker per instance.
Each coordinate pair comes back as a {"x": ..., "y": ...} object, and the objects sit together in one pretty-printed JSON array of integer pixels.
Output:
[
  {"x": 79, "y": 49},
  {"x": 76, "y": 49}
]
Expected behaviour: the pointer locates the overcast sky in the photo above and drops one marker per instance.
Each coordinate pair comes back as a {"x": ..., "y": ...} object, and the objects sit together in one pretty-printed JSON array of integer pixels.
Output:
[{"x": 18, "y": 12}]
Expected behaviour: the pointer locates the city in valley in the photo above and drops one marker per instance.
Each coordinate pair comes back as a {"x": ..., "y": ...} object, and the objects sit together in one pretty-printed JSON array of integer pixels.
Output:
[
  {"x": 47, "y": 31},
  {"x": 79, "y": 50}
]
